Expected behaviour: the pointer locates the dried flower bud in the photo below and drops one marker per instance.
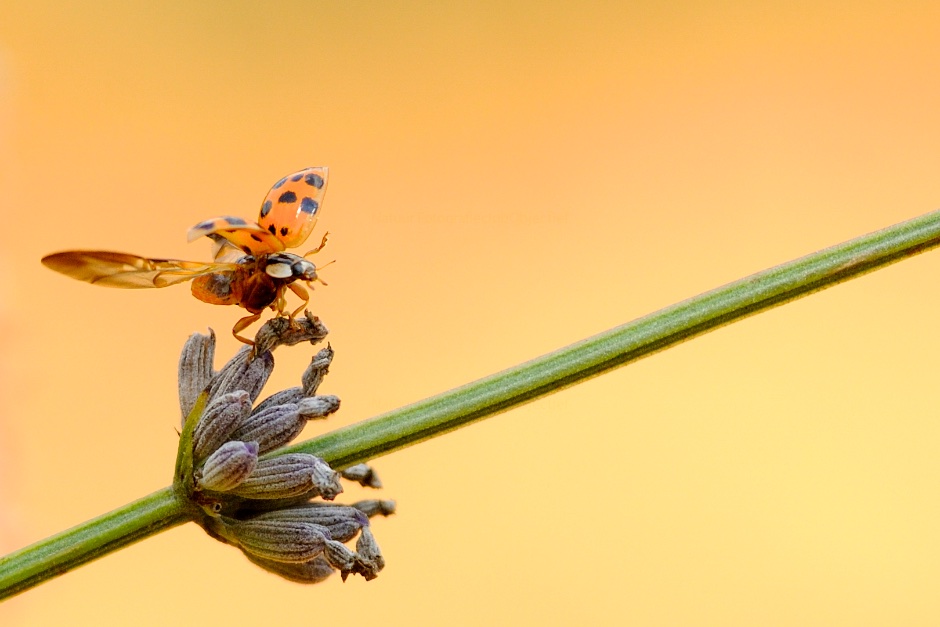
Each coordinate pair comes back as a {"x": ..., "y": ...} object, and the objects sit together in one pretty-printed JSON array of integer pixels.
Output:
[
  {"x": 195, "y": 369},
  {"x": 292, "y": 474},
  {"x": 282, "y": 331},
  {"x": 242, "y": 373},
  {"x": 273, "y": 427},
  {"x": 314, "y": 571},
  {"x": 325, "y": 480},
  {"x": 363, "y": 475},
  {"x": 375, "y": 507},
  {"x": 263, "y": 505},
  {"x": 318, "y": 406},
  {"x": 219, "y": 420},
  {"x": 340, "y": 556},
  {"x": 370, "y": 557},
  {"x": 342, "y": 521},
  {"x": 228, "y": 466},
  {"x": 283, "y": 397},
  {"x": 318, "y": 368},
  {"x": 281, "y": 541}
]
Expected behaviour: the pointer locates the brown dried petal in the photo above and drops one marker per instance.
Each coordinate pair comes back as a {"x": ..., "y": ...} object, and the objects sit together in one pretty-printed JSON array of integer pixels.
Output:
[
  {"x": 318, "y": 368},
  {"x": 281, "y": 541},
  {"x": 375, "y": 507},
  {"x": 195, "y": 369},
  {"x": 363, "y": 475},
  {"x": 228, "y": 466},
  {"x": 340, "y": 556},
  {"x": 290, "y": 475},
  {"x": 318, "y": 406},
  {"x": 218, "y": 421},
  {"x": 369, "y": 552},
  {"x": 278, "y": 331},
  {"x": 326, "y": 481}
]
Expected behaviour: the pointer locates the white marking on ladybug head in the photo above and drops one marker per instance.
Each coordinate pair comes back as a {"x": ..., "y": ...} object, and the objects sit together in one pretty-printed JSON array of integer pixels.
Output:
[{"x": 279, "y": 270}]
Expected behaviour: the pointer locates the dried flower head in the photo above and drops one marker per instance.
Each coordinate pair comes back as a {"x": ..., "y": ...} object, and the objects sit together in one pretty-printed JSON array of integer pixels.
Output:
[{"x": 248, "y": 494}]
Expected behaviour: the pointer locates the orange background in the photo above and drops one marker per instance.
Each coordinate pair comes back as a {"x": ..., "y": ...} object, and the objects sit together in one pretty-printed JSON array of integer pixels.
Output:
[{"x": 505, "y": 179}]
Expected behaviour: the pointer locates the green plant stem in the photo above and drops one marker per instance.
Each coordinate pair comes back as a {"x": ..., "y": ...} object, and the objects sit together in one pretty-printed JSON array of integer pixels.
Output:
[
  {"x": 83, "y": 543},
  {"x": 502, "y": 391},
  {"x": 624, "y": 344}
]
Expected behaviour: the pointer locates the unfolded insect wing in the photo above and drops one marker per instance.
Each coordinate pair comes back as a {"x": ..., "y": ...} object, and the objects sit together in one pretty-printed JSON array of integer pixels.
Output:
[
  {"x": 289, "y": 211},
  {"x": 224, "y": 251},
  {"x": 247, "y": 236},
  {"x": 113, "y": 269}
]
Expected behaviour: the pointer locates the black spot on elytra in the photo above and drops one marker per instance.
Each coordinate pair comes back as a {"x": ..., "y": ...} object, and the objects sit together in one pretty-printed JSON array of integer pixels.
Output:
[
  {"x": 273, "y": 229},
  {"x": 314, "y": 179},
  {"x": 246, "y": 250},
  {"x": 279, "y": 183},
  {"x": 287, "y": 197},
  {"x": 297, "y": 177},
  {"x": 255, "y": 237},
  {"x": 284, "y": 230},
  {"x": 265, "y": 208},
  {"x": 309, "y": 205},
  {"x": 233, "y": 221}
]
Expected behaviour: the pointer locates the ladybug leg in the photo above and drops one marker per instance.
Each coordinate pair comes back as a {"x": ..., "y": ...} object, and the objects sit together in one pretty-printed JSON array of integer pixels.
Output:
[
  {"x": 303, "y": 294},
  {"x": 243, "y": 324},
  {"x": 280, "y": 303},
  {"x": 326, "y": 236}
]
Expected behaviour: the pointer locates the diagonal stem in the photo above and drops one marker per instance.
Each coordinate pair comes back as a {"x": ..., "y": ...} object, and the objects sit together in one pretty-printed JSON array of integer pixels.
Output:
[
  {"x": 90, "y": 540},
  {"x": 624, "y": 344},
  {"x": 397, "y": 429}
]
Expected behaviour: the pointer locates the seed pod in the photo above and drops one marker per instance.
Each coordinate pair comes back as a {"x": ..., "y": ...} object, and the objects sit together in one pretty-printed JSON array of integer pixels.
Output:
[
  {"x": 195, "y": 369},
  {"x": 290, "y": 475},
  {"x": 228, "y": 466},
  {"x": 271, "y": 428},
  {"x": 281, "y": 541},
  {"x": 218, "y": 421},
  {"x": 314, "y": 571},
  {"x": 283, "y": 397},
  {"x": 318, "y": 406},
  {"x": 242, "y": 373},
  {"x": 342, "y": 521}
]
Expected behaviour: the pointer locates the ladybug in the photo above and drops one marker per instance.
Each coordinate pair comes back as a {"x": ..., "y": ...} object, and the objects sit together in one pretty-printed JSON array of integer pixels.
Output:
[{"x": 250, "y": 267}]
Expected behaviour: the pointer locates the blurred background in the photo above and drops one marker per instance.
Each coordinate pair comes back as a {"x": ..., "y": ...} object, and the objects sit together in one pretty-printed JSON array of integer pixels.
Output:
[{"x": 506, "y": 178}]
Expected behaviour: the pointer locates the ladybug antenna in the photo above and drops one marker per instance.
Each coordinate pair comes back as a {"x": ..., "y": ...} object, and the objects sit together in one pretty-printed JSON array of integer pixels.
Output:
[{"x": 317, "y": 278}]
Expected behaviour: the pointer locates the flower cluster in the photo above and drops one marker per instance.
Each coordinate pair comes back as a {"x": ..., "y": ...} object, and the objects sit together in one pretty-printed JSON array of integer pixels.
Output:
[{"x": 248, "y": 494}]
